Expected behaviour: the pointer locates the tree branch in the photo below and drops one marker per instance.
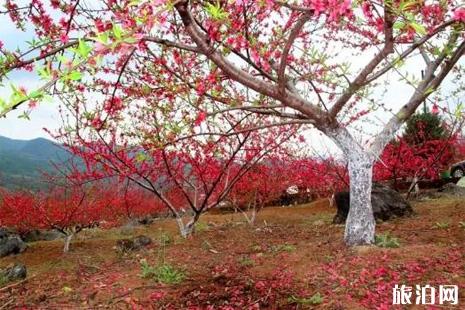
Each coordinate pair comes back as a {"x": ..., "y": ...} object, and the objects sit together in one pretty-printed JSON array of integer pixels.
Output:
[{"x": 290, "y": 41}]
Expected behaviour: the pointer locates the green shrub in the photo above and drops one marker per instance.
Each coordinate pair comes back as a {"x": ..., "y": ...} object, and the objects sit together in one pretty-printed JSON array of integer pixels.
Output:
[
  {"x": 164, "y": 273},
  {"x": 387, "y": 241}
]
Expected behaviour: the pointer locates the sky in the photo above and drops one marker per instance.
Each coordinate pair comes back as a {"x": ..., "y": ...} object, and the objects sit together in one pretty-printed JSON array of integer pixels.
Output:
[{"x": 46, "y": 115}]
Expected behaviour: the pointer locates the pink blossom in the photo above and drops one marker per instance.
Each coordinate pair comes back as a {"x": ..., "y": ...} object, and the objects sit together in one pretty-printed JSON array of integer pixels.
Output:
[
  {"x": 318, "y": 6},
  {"x": 367, "y": 10},
  {"x": 459, "y": 15},
  {"x": 32, "y": 104},
  {"x": 100, "y": 48},
  {"x": 64, "y": 38}
]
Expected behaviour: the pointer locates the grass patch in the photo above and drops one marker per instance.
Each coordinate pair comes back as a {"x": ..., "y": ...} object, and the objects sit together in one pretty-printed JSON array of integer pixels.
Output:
[
  {"x": 245, "y": 261},
  {"x": 316, "y": 299},
  {"x": 165, "y": 273},
  {"x": 206, "y": 245},
  {"x": 283, "y": 248},
  {"x": 201, "y": 226},
  {"x": 3, "y": 280},
  {"x": 164, "y": 239},
  {"x": 386, "y": 241},
  {"x": 256, "y": 248},
  {"x": 441, "y": 225}
]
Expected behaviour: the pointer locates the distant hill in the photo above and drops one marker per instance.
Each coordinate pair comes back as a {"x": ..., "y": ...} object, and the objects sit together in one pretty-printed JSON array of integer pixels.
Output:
[{"x": 21, "y": 161}]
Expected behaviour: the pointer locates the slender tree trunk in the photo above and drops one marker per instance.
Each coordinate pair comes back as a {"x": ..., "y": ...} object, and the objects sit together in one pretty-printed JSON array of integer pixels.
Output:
[
  {"x": 253, "y": 217},
  {"x": 67, "y": 242},
  {"x": 186, "y": 229}
]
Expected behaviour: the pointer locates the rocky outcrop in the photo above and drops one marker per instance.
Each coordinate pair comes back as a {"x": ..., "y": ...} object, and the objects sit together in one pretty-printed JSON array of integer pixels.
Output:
[
  {"x": 134, "y": 244},
  {"x": 10, "y": 243},
  {"x": 451, "y": 189},
  {"x": 13, "y": 272},
  {"x": 42, "y": 235},
  {"x": 386, "y": 203}
]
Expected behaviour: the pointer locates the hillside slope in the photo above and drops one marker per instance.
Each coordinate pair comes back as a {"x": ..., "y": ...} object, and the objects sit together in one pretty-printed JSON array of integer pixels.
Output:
[{"x": 22, "y": 161}]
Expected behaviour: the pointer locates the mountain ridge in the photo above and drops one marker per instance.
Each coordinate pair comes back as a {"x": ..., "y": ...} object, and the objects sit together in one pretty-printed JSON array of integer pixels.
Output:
[{"x": 23, "y": 161}]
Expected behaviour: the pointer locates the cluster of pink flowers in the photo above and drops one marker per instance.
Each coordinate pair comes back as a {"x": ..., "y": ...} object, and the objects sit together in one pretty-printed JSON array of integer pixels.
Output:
[{"x": 459, "y": 15}]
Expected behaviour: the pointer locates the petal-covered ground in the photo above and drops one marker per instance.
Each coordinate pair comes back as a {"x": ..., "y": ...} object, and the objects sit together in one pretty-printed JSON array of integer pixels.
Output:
[{"x": 293, "y": 258}]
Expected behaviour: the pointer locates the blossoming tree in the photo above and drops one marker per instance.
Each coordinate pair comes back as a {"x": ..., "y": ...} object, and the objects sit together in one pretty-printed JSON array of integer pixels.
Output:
[
  {"x": 319, "y": 63},
  {"x": 68, "y": 209}
]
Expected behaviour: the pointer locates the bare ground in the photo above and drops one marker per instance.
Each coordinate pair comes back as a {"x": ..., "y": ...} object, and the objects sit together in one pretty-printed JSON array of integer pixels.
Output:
[{"x": 293, "y": 258}]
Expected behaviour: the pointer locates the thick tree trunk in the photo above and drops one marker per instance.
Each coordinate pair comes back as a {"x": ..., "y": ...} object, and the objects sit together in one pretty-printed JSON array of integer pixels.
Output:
[{"x": 360, "y": 223}]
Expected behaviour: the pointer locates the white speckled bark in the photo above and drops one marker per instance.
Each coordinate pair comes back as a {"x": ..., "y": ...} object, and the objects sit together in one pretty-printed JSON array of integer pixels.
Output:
[
  {"x": 360, "y": 223},
  {"x": 186, "y": 229}
]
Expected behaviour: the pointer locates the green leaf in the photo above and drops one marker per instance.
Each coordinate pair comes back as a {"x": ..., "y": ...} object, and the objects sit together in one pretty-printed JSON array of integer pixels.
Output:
[
  {"x": 44, "y": 72},
  {"x": 36, "y": 94},
  {"x": 25, "y": 116},
  {"x": 429, "y": 90},
  {"x": 420, "y": 29},
  {"x": 130, "y": 40},
  {"x": 216, "y": 11},
  {"x": 102, "y": 37},
  {"x": 3, "y": 104},
  {"x": 117, "y": 31},
  {"x": 83, "y": 49},
  {"x": 75, "y": 76},
  {"x": 399, "y": 25},
  {"x": 141, "y": 157},
  {"x": 134, "y": 3},
  {"x": 459, "y": 110}
]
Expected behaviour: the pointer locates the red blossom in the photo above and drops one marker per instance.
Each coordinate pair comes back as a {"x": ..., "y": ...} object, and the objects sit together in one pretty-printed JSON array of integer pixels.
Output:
[{"x": 201, "y": 117}]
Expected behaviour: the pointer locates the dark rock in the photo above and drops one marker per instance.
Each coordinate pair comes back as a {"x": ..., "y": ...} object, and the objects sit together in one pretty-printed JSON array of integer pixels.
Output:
[
  {"x": 141, "y": 241},
  {"x": 145, "y": 220},
  {"x": 452, "y": 190},
  {"x": 10, "y": 243},
  {"x": 386, "y": 202},
  {"x": 4, "y": 232},
  {"x": 124, "y": 245},
  {"x": 14, "y": 272},
  {"x": 342, "y": 200},
  {"x": 296, "y": 196},
  {"x": 134, "y": 244},
  {"x": 42, "y": 235}
]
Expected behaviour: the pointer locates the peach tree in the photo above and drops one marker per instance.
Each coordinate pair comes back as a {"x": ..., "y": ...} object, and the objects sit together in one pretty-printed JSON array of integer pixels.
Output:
[{"x": 324, "y": 64}]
